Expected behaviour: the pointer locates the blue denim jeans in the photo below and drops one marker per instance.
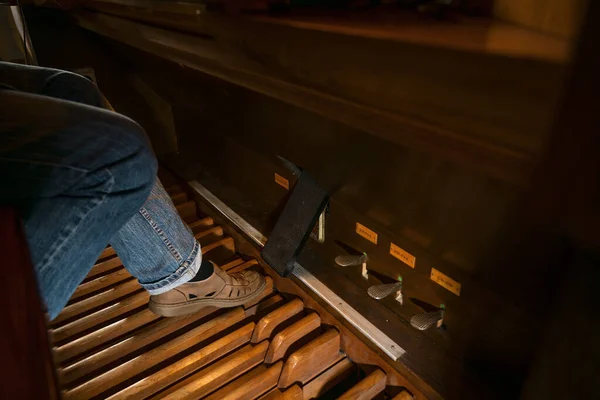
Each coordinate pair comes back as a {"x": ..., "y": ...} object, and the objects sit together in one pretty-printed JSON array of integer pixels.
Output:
[{"x": 82, "y": 177}]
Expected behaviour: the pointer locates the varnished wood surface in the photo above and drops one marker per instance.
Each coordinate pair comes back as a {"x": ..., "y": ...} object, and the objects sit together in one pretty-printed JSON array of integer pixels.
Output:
[
  {"x": 181, "y": 368},
  {"x": 416, "y": 104},
  {"x": 219, "y": 373},
  {"x": 472, "y": 34},
  {"x": 328, "y": 379},
  {"x": 287, "y": 337},
  {"x": 311, "y": 359},
  {"x": 250, "y": 385},
  {"x": 404, "y": 395},
  {"x": 356, "y": 349},
  {"x": 269, "y": 322},
  {"x": 26, "y": 370},
  {"x": 367, "y": 388},
  {"x": 109, "y": 345}
]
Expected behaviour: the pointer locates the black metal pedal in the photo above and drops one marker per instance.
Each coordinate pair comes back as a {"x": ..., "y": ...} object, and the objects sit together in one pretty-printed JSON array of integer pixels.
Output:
[{"x": 294, "y": 226}]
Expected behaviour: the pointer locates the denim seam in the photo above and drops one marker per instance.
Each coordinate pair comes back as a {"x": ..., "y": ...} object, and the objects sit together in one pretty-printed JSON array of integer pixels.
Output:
[
  {"x": 161, "y": 235},
  {"x": 70, "y": 229},
  {"x": 183, "y": 274}
]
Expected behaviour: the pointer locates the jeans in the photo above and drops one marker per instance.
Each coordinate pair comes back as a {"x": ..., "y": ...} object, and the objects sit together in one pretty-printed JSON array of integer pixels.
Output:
[{"x": 81, "y": 177}]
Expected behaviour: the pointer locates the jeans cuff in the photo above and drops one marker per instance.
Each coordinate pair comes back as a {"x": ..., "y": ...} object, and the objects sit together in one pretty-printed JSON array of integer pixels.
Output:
[{"x": 188, "y": 269}]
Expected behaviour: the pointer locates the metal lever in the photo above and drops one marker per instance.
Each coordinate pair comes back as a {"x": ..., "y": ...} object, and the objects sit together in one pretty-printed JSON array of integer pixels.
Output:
[
  {"x": 351, "y": 261},
  {"x": 379, "y": 292},
  {"x": 427, "y": 320}
]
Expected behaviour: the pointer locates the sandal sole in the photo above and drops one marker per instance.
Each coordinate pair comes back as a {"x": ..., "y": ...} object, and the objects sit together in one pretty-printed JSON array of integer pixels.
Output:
[{"x": 192, "y": 306}]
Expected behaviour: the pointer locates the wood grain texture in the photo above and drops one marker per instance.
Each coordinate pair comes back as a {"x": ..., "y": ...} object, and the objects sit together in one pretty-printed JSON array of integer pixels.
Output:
[
  {"x": 172, "y": 190},
  {"x": 138, "y": 340},
  {"x": 404, "y": 395},
  {"x": 560, "y": 17},
  {"x": 84, "y": 306},
  {"x": 263, "y": 305},
  {"x": 231, "y": 264},
  {"x": 179, "y": 198},
  {"x": 367, "y": 388},
  {"x": 284, "y": 339},
  {"x": 415, "y": 104},
  {"x": 26, "y": 371},
  {"x": 251, "y": 385},
  {"x": 99, "y": 317},
  {"x": 148, "y": 359},
  {"x": 100, "y": 283},
  {"x": 220, "y": 373},
  {"x": 104, "y": 266},
  {"x": 356, "y": 349},
  {"x": 311, "y": 359},
  {"x": 216, "y": 231},
  {"x": 328, "y": 379},
  {"x": 293, "y": 393},
  {"x": 226, "y": 242},
  {"x": 268, "y": 290},
  {"x": 201, "y": 223},
  {"x": 187, "y": 211},
  {"x": 177, "y": 370},
  {"x": 108, "y": 252},
  {"x": 243, "y": 266},
  {"x": 266, "y": 325},
  {"x": 100, "y": 336}
]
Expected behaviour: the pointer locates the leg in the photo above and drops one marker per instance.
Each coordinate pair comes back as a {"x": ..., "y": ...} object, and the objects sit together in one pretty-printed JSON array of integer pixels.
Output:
[
  {"x": 77, "y": 173},
  {"x": 155, "y": 245}
]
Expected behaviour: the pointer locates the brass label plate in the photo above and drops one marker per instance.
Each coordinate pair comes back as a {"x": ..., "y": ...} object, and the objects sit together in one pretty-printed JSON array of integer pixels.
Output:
[
  {"x": 365, "y": 232},
  {"x": 402, "y": 255},
  {"x": 281, "y": 181},
  {"x": 445, "y": 281}
]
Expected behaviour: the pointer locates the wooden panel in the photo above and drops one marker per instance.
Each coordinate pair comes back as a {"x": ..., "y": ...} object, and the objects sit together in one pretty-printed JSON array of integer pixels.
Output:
[
  {"x": 100, "y": 336},
  {"x": 328, "y": 379},
  {"x": 553, "y": 16},
  {"x": 284, "y": 339},
  {"x": 367, "y": 388},
  {"x": 104, "y": 266},
  {"x": 311, "y": 359},
  {"x": 415, "y": 103},
  {"x": 26, "y": 370},
  {"x": 100, "y": 283},
  {"x": 243, "y": 266},
  {"x": 250, "y": 385},
  {"x": 143, "y": 338},
  {"x": 404, "y": 395},
  {"x": 100, "y": 316},
  {"x": 84, "y": 306},
  {"x": 152, "y": 357},
  {"x": 269, "y": 322},
  {"x": 218, "y": 374},
  {"x": 177, "y": 370},
  {"x": 187, "y": 211}
]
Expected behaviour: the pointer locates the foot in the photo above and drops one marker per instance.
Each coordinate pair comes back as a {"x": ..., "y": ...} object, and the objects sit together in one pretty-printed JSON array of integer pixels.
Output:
[{"x": 219, "y": 290}]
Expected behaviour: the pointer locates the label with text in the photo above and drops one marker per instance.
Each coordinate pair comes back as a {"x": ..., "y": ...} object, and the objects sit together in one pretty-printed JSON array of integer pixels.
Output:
[
  {"x": 281, "y": 181},
  {"x": 445, "y": 281},
  {"x": 366, "y": 233},
  {"x": 402, "y": 255}
]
